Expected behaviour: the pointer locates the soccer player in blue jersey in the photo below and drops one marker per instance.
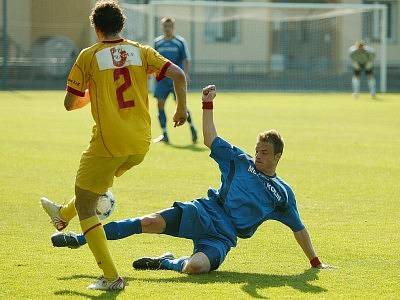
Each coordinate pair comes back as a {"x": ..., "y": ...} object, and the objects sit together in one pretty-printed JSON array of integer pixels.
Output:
[
  {"x": 250, "y": 194},
  {"x": 174, "y": 48}
]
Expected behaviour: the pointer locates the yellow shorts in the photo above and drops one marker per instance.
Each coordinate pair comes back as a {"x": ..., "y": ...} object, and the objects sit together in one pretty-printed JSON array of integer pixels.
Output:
[{"x": 96, "y": 173}]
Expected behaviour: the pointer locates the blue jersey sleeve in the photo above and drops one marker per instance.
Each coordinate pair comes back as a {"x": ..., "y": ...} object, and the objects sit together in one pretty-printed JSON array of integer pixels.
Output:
[
  {"x": 289, "y": 216},
  {"x": 184, "y": 50},
  {"x": 223, "y": 152}
]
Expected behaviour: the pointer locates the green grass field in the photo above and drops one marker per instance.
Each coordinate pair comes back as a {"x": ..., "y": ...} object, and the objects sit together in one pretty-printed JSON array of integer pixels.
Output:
[{"x": 341, "y": 158}]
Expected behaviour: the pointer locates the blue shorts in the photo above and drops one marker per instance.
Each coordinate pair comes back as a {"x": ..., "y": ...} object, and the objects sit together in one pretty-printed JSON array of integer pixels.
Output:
[
  {"x": 163, "y": 88},
  {"x": 206, "y": 223}
]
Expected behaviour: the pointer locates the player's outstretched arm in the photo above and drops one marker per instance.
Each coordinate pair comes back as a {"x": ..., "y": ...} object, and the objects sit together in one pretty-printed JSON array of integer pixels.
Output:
[
  {"x": 304, "y": 240},
  {"x": 178, "y": 77},
  {"x": 209, "y": 131},
  {"x": 72, "y": 101}
]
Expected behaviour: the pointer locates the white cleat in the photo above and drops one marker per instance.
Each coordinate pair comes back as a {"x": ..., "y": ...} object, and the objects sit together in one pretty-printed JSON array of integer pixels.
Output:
[
  {"x": 162, "y": 138},
  {"x": 53, "y": 210},
  {"x": 103, "y": 284},
  {"x": 355, "y": 95}
]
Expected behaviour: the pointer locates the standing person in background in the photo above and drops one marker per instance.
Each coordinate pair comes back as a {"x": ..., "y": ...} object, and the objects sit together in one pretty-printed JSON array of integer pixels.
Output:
[
  {"x": 362, "y": 57},
  {"x": 174, "y": 48}
]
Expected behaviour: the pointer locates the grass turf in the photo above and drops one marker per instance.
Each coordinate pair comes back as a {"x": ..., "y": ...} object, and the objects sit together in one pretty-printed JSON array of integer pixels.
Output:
[{"x": 341, "y": 157}]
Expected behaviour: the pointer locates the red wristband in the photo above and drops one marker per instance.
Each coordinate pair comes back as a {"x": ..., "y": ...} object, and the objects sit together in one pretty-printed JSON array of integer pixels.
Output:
[
  {"x": 315, "y": 262},
  {"x": 208, "y": 105}
]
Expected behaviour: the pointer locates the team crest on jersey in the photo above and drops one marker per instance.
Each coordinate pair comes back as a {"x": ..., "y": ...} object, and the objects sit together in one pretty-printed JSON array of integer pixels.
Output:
[{"x": 118, "y": 56}]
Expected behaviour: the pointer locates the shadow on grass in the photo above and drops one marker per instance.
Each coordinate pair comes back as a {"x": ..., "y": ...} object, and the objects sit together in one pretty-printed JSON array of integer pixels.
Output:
[
  {"x": 251, "y": 282},
  {"x": 191, "y": 147},
  {"x": 103, "y": 295}
]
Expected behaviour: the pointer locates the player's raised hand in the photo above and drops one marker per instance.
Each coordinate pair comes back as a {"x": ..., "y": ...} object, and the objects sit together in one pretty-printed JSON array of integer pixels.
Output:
[
  {"x": 209, "y": 93},
  {"x": 180, "y": 116}
]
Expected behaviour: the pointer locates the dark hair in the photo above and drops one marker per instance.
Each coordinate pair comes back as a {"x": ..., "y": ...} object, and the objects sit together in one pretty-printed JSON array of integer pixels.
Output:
[
  {"x": 107, "y": 17},
  {"x": 273, "y": 137}
]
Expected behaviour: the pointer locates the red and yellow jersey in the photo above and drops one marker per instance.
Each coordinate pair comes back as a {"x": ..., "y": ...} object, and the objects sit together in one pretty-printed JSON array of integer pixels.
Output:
[{"x": 116, "y": 74}]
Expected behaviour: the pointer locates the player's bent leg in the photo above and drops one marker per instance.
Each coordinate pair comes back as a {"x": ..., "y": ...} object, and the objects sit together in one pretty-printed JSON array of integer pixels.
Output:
[{"x": 167, "y": 222}]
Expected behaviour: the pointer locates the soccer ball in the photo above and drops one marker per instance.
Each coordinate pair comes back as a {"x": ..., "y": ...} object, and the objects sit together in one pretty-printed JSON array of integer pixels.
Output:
[{"x": 105, "y": 205}]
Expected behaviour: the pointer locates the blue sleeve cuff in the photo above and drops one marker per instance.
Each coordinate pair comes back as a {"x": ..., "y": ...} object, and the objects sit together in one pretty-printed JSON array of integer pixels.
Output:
[{"x": 219, "y": 148}]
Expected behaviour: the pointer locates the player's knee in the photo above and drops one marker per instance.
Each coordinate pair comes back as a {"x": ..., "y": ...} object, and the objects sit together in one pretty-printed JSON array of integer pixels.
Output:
[
  {"x": 161, "y": 104},
  {"x": 85, "y": 203},
  {"x": 84, "y": 209},
  {"x": 197, "y": 264},
  {"x": 196, "y": 267},
  {"x": 153, "y": 223}
]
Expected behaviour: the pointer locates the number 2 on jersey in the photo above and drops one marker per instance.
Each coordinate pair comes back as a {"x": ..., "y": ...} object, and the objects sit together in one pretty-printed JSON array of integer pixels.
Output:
[{"x": 123, "y": 87}]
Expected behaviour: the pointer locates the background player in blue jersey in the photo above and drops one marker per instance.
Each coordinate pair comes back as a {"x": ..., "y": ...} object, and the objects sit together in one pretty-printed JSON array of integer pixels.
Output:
[
  {"x": 250, "y": 193},
  {"x": 174, "y": 48}
]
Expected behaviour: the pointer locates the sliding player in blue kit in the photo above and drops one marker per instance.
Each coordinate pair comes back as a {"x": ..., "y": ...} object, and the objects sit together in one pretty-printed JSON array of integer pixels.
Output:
[{"x": 250, "y": 194}]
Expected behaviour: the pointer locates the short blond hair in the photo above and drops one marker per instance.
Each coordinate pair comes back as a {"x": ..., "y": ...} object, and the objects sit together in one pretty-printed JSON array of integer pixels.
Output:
[
  {"x": 167, "y": 19},
  {"x": 274, "y": 138}
]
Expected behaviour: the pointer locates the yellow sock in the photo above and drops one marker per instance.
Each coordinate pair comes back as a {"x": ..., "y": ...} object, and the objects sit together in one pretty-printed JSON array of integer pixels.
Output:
[
  {"x": 96, "y": 239},
  {"x": 68, "y": 211}
]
